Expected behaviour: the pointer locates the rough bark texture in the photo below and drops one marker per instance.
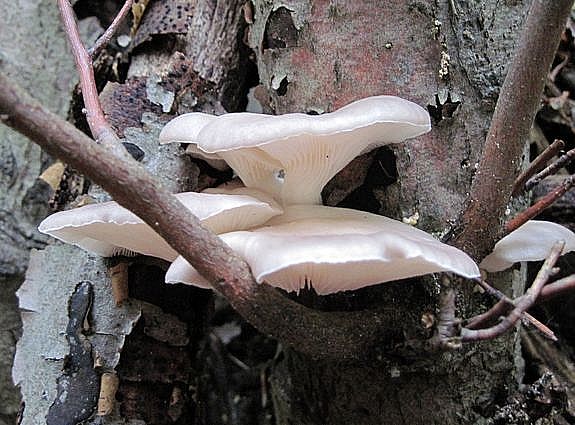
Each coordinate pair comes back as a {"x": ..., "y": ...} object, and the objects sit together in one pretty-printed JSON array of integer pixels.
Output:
[{"x": 31, "y": 42}]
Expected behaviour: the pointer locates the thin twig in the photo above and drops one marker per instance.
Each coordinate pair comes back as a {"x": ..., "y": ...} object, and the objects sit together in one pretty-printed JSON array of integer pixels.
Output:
[
  {"x": 561, "y": 162},
  {"x": 522, "y": 304},
  {"x": 536, "y": 209},
  {"x": 558, "y": 287},
  {"x": 105, "y": 38},
  {"x": 516, "y": 106},
  {"x": 537, "y": 165},
  {"x": 500, "y": 309},
  {"x": 555, "y": 71},
  {"x": 496, "y": 312},
  {"x": 101, "y": 130}
]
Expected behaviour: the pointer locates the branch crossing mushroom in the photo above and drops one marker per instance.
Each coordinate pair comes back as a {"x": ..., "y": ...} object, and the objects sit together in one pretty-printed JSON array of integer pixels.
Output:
[
  {"x": 335, "y": 249},
  {"x": 108, "y": 229},
  {"x": 293, "y": 156},
  {"x": 286, "y": 158}
]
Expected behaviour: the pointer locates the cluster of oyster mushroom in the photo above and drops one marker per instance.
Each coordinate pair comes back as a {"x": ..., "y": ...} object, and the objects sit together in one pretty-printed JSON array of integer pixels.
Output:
[{"x": 276, "y": 221}]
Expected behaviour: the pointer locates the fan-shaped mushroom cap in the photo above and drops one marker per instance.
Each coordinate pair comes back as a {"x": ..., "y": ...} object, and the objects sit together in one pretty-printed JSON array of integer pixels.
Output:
[
  {"x": 180, "y": 271},
  {"x": 293, "y": 156},
  {"x": 186, "y": 127},
  {"x": 108, "y": 229},
  {"x": 530, "y": 242},
  {"x": 337, "y": 249}
]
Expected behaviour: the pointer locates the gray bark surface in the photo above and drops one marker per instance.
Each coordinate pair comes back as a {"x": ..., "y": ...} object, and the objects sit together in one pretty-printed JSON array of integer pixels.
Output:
[{"x": 31, "y": 43}]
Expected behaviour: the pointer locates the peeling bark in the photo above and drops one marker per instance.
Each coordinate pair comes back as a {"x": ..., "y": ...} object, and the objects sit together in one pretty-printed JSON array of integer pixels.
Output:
[{"x": 30, "y": 44}]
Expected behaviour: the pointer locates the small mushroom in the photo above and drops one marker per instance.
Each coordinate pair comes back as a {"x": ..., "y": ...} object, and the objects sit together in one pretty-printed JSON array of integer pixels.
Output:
[
  {"x": 530, "y": 242},
  {"x": 108, "y": 229},
  {"x": 335, "y": 249},
  {"x": 293, "y": 156}
]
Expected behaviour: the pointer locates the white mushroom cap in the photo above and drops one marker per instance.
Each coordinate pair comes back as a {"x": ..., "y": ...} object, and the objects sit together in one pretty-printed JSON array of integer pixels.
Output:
[
  {"x": 186, "y": 127},
  {"x": 293, "y": 156},
  {"x": 180, "y": 271},
  {"x": 108, "y": 229},
  {"x": 530, "y": 242},
  {"x": 337, "y": 249}
]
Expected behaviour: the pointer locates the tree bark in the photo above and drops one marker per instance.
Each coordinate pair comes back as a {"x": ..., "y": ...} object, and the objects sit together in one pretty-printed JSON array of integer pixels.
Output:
[{"x": 26, "y": 31}]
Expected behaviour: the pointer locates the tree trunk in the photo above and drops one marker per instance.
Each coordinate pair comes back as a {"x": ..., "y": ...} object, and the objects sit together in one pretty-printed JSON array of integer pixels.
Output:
[
  {"x": 310, "y": 56},
  {"x": 318, "y": 56}
]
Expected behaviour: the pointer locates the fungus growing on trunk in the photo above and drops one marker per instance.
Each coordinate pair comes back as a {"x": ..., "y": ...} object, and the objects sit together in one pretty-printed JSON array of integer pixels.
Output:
[
  {"x": 108, "y": 229},
  {"x": 293, "y": 156},
  {"x": 335, "y": 249},
  {"x": 530, "y": 242}
]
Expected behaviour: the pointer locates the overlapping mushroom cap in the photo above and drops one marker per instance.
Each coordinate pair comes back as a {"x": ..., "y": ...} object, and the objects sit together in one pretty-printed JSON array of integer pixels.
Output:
[
  {"x": 108, "y": 229},
  {"x": 530, "y": 242},
  {"x": 293, "y": 156},
  {"x": 335, "y": 249},
  {"x": 290, "y": 158}
]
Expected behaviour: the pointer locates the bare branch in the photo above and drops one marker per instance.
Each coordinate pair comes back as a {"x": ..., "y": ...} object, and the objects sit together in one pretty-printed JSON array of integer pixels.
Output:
[
  {"x": 522, "y": 304},
  {"x": 503, "y": 306},
  {"x": 111, "y": 30},
  {"x": 101, "y": 130},
  {"x": 498, "y": 310},
  {"x": 537, "y": 165},
  {"x": 557, "y": 288},
  {"x": 561, "y": 162},
  {"x": 518, "y": 101},
  {"x": 536, "y": 209}
]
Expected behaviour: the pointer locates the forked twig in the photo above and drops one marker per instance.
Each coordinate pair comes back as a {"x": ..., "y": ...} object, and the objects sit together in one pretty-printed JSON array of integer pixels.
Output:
[
  {"x": 99, "y": 126},
  {"x": 105, "y": 38},
  {"x": 504, "y": 305},
  {"x": 522, "y": 303},
  {"x": 536, "y": 165}
]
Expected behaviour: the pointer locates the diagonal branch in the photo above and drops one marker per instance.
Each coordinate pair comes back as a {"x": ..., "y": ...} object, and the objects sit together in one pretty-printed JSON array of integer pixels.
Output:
[
  {"x": 518, "y": 101},
  {"x": 105, "y": 38},
  {"x": 101, "y": 130},
  {"x": 545, "y": 202},
  {"x": 522, "y": 304},
  {"x": 504, "y": 305},
  {"x": 562, "y": 161},
  {"x": 519, "y": 186},
  {"x": 333, "y": 335}
]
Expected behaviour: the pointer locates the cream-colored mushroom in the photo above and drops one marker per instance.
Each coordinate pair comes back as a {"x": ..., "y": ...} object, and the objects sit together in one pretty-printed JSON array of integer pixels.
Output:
[
  {"x": 187, "y": 127},
  {"x": 108, "y": 229},
  {"x": 335, "y": 249},
  {"x": 180, "y": 271},
  {"x": 293, "y": 156},
  {"x": 530, "y": 242}
]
